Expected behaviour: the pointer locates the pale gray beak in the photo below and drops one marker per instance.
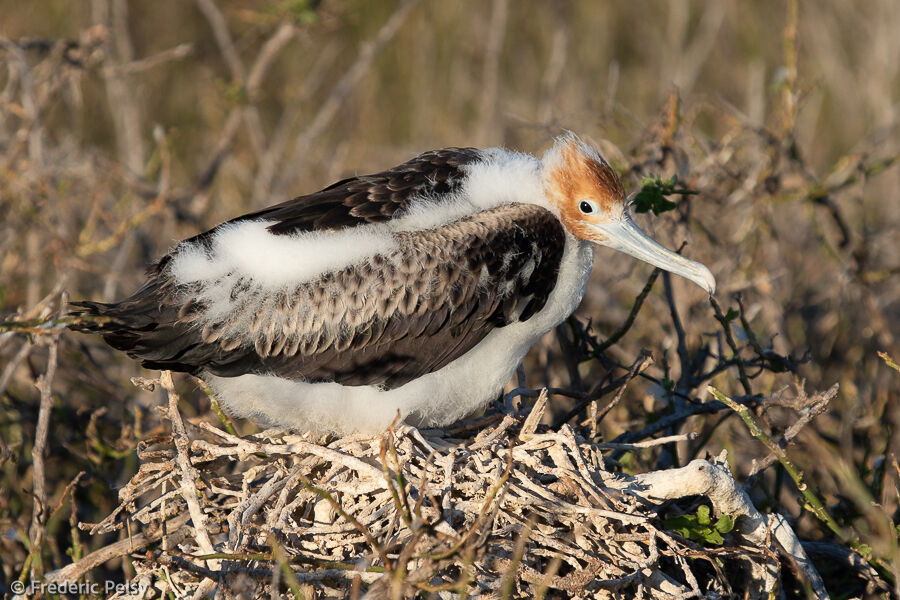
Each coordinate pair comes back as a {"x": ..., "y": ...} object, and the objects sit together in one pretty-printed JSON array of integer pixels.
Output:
[{"x": 625, "y": 236}]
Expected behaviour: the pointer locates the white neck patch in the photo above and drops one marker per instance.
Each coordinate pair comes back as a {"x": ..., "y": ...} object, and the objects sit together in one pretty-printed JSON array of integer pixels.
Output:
[
  {"x": 272, "y": 261},
  {"x": 246, "y": 249}
]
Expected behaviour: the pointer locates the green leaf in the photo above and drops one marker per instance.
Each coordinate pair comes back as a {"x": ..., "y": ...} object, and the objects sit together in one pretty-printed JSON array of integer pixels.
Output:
[
  {"x": 703, "y": 515},
  {"x": 724, "y": 524},
  {"x": 731, "y": 315},
  {"x": 303, "y": 11},
  {"x": 700, "y": 527},
  {"x": 711, "y": 536},
  {"x": 654, "y": 192},
  {"x": 682, "y": 525}
]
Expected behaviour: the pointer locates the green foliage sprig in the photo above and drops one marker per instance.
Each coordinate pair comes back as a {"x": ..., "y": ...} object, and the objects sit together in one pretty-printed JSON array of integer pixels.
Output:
[
  {"x": 654, "y": 194},
  {"x": 700, "y": 527}
]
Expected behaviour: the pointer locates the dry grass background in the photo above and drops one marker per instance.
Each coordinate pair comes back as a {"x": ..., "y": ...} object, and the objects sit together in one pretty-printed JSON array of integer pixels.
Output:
[{"x": 125, "y": 127}]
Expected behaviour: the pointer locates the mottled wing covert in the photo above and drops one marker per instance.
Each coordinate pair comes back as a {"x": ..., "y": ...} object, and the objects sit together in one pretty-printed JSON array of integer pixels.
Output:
[
  {"x": 384, "y": 321},
  {"x": 366, "y": 198}
]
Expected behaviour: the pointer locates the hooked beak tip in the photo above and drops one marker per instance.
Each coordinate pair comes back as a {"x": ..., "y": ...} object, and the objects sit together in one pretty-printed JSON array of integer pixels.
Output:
[
  {"x": 706, "y": 280},
  {"x": 626, "y": 236}
]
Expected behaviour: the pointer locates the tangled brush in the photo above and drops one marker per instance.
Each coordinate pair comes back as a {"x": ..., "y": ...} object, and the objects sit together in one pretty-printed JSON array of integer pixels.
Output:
[{"x": 498, "y": 506}]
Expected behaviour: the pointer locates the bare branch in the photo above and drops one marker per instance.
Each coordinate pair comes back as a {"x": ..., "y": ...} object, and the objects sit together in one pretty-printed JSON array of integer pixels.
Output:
[
  {"x": 342, "y": 89},
  {"x": 39, "y": 452},
  {"x": 488, "y": 130}
]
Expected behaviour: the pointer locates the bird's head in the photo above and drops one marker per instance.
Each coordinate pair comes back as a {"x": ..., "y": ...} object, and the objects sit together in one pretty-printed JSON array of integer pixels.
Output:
[{"x": 591, "y": 204}]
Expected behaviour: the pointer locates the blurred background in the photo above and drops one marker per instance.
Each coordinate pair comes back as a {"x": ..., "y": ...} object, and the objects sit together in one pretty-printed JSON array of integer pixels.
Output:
[{"x": 127, "y": 126}]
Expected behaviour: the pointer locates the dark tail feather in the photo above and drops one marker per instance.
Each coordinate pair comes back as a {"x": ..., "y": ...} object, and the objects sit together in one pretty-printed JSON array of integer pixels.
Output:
[
  {"x": 120, "y": 327},
  {"x": 89, "y": 314},
  {"x": 145, "y": 326}
]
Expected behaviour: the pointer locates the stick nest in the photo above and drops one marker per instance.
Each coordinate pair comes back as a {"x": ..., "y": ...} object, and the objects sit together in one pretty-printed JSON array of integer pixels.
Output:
[{"x": 493, "y": 507}]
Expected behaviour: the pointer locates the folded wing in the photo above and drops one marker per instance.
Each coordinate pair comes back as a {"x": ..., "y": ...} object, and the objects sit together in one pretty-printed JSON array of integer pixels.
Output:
[{"x": 382, "y": 321}]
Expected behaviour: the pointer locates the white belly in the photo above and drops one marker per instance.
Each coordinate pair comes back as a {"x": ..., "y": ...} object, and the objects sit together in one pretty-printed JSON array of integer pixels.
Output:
[{"x": 438, "y": 398}]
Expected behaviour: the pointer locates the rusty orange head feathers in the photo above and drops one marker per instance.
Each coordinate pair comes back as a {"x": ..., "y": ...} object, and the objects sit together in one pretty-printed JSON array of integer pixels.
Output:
[
  {"x": 591, "y": 203},
  {"x": 583, "y": 187}
]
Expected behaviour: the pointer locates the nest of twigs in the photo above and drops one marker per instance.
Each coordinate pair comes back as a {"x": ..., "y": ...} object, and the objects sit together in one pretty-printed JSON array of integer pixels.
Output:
[{"x": 497, "y": 506}]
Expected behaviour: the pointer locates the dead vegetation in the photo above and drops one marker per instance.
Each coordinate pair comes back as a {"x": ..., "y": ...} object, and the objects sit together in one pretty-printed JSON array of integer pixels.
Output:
[
  {"x": 603, "y": 485},
  {"x": 497, "y": 506}
]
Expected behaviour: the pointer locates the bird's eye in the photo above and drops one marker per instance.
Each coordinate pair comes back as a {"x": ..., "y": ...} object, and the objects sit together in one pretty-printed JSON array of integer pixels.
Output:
[{"x": 588, "y": 207}]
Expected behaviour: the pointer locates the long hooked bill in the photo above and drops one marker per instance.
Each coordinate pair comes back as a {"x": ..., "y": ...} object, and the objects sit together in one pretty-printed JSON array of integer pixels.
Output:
[{"x": 625, "y": 236}]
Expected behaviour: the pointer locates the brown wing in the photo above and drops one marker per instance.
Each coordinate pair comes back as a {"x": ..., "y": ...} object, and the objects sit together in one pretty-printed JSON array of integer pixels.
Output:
[
  {"x": 386, "y": 321},
  {"x": 367, "y": 198}
]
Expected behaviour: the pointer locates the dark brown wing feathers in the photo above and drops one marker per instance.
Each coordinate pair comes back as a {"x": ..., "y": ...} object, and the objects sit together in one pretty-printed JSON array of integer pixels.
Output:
[{"x": 365, "y": 199}]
